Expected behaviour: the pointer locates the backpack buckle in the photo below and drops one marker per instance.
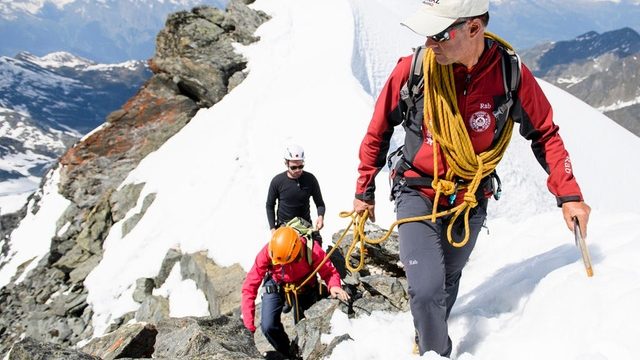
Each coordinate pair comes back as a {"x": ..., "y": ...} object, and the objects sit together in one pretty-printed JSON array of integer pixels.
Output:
[
  {"x": 272, "y": 288},
  {"x": 496, "y": 186}
]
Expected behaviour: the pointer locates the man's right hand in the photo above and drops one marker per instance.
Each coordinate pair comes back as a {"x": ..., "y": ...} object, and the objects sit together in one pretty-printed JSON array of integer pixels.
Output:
[
  {"x": 359, "y": 206},
  {"x": 338, "y": 293},
  {"x": 579, "y": 210}
]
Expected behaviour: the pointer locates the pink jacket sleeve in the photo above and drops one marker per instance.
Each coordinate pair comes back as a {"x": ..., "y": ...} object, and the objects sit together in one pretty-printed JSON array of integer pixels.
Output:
[{"x": 250, "y": 288}]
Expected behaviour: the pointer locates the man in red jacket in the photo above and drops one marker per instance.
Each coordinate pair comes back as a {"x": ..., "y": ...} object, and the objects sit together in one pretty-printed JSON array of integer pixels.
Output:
[
  {"x": 284, "y": 261},
  {"x": 464, "y": 88}
]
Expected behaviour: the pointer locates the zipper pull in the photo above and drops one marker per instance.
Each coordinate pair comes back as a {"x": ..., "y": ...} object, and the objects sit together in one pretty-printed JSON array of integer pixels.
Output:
[{"x": 467, "y": 80}]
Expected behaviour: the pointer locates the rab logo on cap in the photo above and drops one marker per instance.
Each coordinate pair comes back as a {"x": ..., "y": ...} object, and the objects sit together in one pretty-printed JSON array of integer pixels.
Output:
[{"x": 431, "y": 2}]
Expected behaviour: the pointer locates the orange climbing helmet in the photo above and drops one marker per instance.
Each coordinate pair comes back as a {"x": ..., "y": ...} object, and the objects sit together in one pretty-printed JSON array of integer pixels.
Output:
[{"x": 285, "y": 245}]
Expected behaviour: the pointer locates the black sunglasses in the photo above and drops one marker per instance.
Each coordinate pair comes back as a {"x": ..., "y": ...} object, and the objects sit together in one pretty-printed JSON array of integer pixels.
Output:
[
  {"x": 294, "y": 168},
  {"x": 447, "y": 34}
]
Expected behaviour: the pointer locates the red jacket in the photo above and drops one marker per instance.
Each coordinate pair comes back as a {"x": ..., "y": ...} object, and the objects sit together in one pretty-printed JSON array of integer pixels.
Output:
[
  {"x": 478, "y": 91},
  {"x": 295, "y": 272}
]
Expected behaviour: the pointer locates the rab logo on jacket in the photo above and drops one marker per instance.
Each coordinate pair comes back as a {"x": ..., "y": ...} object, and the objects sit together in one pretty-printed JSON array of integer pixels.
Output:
[
  {"x": 567, "y": 165},
  {"x": 480, "y": 121}
]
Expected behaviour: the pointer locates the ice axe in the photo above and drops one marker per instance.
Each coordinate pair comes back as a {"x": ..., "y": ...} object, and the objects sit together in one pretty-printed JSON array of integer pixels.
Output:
[{"x": 582, "y": 246}]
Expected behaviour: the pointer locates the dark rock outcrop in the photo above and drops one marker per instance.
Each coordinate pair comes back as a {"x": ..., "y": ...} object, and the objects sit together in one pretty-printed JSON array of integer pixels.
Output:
[
  {"x": 222, "y": 337},
  {"x": 221, "y": 285},
  {"x": 190, "y": 39},
  {"x": 206, "y": 338},
  {"x": 30, "y": 349},
  {"x": 130, "y": 341}
]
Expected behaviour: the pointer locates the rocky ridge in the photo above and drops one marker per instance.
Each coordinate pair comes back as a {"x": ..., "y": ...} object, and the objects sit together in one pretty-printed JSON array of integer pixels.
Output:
[{"x": 194, "y": 66}]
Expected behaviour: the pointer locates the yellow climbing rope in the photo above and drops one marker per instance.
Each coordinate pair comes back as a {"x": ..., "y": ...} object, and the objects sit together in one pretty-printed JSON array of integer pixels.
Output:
[{"x": 444, "y": 122}]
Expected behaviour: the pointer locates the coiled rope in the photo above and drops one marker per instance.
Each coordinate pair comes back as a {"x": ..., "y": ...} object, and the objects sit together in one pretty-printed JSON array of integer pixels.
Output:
[{"x": 444, "y": 122}]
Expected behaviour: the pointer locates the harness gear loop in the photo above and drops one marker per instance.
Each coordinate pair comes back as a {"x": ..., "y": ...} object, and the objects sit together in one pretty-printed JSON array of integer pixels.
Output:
[{"x": 288, "y": 290}]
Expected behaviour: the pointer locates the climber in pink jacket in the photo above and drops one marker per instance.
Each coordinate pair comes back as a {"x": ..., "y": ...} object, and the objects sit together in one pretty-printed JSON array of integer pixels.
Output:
[{"x": 283, "y": 261}]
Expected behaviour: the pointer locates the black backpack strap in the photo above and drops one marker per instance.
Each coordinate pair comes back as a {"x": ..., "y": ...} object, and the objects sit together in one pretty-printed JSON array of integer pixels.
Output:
[
  {"x": 511, "y": 70},
  {"x": 511, "y": 80},
  {"x": 411, "y": 89}
]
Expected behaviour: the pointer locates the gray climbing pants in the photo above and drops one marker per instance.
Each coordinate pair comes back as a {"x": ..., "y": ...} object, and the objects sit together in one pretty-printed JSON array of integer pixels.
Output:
[{"x": 433, "y": 266}]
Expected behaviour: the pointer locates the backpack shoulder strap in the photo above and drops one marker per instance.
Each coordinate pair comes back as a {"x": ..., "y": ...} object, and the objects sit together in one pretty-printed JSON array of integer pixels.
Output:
[
  {"x": 511, "y": 80},
  {"x": 511, "y": 71},
  {"x": 310, "y": 244},
  {"x": 305, "y": 229},
  {"x": 411, "y": 89}
]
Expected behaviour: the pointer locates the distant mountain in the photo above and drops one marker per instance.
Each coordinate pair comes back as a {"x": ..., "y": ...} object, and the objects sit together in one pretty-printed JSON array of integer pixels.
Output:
[
  {"x": 526, "y": 23},
  {"x": 105, "y": 30},
  {"x": 67, "y": 92},
  {"x": 27, "y": 149},
  {"x": 48, "y": 103},
  {"x": 601, "y": 69},
  {"x": 119, "y": 30}
]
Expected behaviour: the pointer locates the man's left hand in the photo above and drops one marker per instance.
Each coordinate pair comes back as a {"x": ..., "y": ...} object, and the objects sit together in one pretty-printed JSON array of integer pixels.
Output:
[
  {"x": 320, "y": 223},
  {"x": 578, "y": 209}
]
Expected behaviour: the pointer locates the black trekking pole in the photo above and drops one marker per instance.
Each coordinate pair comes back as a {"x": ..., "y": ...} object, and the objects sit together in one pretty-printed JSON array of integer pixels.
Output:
[{"x": 582, "y": 246}]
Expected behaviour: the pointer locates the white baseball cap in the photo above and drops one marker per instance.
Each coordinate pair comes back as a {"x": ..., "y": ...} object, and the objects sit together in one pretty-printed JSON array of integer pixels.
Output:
[{"x": 436, "y": 15}]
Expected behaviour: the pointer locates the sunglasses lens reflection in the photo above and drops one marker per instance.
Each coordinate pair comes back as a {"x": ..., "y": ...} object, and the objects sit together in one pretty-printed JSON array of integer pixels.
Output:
[{"x": 447, "y": 33}]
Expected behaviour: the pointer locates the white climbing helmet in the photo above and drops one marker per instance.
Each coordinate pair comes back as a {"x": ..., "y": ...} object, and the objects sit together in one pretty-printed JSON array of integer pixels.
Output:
[{"x": 294, "y": 152}]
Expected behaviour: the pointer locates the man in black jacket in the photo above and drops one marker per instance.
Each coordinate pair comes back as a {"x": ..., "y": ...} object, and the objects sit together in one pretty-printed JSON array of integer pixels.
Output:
[{"x": 292, "y": 190}]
